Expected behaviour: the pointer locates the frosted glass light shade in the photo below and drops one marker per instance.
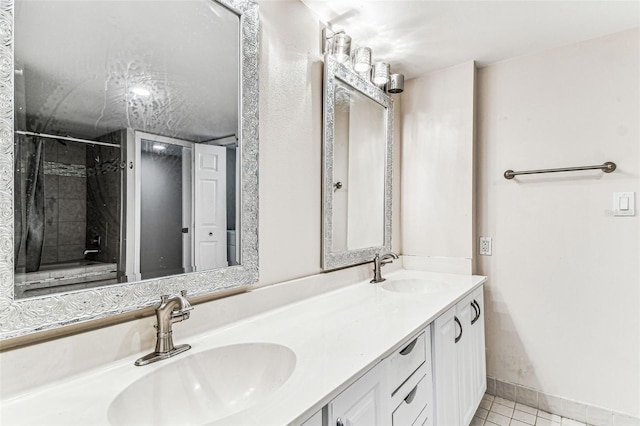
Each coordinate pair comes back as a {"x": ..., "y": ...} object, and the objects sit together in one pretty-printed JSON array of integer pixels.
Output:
[
  {"x": 362, "y": 59},
  {"x": 381, "y": 73},
  {"x": 342, "y": 47}
]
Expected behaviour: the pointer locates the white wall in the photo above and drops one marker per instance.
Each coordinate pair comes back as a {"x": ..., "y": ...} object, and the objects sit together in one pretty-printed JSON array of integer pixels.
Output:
[
  {"x": 562, "y": 299},
  {"x": 437, "y": 168},
  {"x": 290, "y": 141}
]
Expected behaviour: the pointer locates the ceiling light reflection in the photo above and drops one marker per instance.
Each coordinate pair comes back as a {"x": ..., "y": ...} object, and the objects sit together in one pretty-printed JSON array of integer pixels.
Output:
[{"x": 140, "y": 91}]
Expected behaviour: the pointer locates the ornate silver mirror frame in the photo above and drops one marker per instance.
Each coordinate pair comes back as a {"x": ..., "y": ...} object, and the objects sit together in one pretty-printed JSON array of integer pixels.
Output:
[
  {"x": 26, "y": 316},
  {"x": 334, "y": 70}
]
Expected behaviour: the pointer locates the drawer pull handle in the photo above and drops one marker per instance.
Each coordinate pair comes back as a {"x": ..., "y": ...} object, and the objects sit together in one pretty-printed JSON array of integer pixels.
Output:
[
  {"x": 412, "y": 395},
  {"x": 479, "y": 312},
  {"x": 459, "y": 325},
  {"x": 407, "y": 350},
  {"x": 339, "y": 422}
]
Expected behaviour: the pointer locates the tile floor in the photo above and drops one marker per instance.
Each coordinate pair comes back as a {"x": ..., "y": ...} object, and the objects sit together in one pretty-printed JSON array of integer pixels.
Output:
[{"x": 496, "y": 411}]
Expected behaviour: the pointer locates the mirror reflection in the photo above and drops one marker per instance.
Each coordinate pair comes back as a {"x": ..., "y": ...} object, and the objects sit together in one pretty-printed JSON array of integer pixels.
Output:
[
  {"x": 126, "y": 141},
  {"x": 359, "y": 151}
]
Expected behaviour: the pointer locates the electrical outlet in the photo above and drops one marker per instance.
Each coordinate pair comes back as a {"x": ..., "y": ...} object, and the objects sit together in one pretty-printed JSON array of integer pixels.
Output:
[{"x": 485, "y": 246}]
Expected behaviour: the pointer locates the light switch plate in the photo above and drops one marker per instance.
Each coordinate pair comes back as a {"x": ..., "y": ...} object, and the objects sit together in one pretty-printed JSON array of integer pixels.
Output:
[{"x": 624, "y": 203}]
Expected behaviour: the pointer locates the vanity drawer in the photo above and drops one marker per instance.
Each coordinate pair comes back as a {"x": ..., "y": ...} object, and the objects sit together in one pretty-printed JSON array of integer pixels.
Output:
[
  {"x": 413, "y": 407},
  {"x": 407, "y": 359}
]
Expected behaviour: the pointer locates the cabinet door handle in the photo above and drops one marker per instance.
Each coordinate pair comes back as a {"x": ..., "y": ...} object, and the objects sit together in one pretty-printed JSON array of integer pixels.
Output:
[
  {"x": 339, "y": 422},
  {"x": 407, "y": 350},
  {"x": 459, "y": 325},
  {"x": 409, "y": 398},
  {"x": 475, "y": 316},
  {"x": 479, "y": 312}
]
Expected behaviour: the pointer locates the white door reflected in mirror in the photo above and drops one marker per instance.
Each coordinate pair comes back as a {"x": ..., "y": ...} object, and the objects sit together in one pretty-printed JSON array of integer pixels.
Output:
[{"x": 179, "y": 221}]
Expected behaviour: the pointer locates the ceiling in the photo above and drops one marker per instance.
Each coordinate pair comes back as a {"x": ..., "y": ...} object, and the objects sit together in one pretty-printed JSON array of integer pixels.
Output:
[
  {"x": 88, "y": 68},
  {"x": 420, "y": 36}
]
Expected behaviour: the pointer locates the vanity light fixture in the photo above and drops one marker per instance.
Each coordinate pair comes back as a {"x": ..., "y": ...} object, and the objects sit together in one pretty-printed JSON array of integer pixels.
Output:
[
  {"x": 395, "y": 84},
  {"x": 338, "y": 44},
  {"x": 381, "y": 73}
]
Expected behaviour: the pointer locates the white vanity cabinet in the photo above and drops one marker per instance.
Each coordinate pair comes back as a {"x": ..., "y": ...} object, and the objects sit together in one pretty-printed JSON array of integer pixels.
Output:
[
  {"x": 459, "y": 361},
  {"x": 397, "y": 391}
]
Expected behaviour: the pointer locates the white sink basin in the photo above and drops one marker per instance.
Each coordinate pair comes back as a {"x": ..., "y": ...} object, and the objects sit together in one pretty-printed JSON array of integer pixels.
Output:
[
  {"x": 414, "y": 285},
  {"x": 204, "y": 387}
]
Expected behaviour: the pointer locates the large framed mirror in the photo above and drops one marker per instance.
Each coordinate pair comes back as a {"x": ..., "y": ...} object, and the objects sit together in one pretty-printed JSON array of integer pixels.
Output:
[
  {"x": 357, "y": 168},
  {"x": 128, "y": 155}
]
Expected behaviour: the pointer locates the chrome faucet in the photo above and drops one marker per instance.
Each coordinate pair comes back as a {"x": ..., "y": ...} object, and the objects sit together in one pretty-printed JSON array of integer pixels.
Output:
[
  {"x": 378, "y": 263},
  {"x": 171, "y": 310}
]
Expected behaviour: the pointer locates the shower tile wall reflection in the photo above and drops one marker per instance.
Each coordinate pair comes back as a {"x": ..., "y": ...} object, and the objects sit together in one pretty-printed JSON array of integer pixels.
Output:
[
  {"x": 65, "y": 190},
  {"x": 72, "y": 240},
  {"x": 104, "y": 200}
]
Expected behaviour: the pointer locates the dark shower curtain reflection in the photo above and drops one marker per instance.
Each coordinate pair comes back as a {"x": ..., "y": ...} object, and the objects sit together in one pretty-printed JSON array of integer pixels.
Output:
[{"x": 29, "y": 202}]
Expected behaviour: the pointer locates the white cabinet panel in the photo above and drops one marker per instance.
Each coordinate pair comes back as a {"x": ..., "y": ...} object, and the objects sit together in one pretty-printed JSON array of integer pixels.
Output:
[
  {"x": 459, "y": 368},
  {"x": 466, "y": 363},
  {"x": 315, "y": 420},
  {"x": 363, "y": 403},
  {"x": 445, "y": 372},
  {"x": 414, "y": 403},
  {"x": 478, "y": 359},
  {"x": 407, "y": 360}
]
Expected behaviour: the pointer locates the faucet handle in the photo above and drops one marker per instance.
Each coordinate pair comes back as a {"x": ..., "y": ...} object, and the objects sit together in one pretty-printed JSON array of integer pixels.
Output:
[{"x": 186, "y": 305}]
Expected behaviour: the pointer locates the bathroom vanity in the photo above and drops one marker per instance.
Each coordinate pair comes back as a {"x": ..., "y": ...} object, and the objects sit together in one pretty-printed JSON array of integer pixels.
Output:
[
  {"x": 363, "y": 354},
  {"x": 401, "y": 390}
]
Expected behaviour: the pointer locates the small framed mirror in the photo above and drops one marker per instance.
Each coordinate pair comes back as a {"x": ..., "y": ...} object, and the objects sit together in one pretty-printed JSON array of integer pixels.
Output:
[{"x": 357, "y": 168}]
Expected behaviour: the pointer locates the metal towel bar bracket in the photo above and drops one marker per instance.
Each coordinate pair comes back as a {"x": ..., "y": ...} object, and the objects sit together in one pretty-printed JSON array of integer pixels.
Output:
[{"x": 607, "y": 167}]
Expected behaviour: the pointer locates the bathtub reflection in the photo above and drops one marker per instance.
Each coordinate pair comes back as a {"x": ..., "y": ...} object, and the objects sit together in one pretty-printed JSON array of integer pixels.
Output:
[{"x": 67, "y": 276}]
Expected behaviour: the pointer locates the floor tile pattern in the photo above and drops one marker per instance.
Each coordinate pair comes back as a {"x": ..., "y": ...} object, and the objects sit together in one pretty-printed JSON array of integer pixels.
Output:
[{"x": 496, "y": 411}]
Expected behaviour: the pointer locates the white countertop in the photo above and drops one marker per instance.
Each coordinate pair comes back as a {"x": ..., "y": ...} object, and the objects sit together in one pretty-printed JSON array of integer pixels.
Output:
[{"x": 336, "y": 338}]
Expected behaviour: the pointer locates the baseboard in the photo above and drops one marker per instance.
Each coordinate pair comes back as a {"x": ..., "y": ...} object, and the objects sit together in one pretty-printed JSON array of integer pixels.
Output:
[{"x": 576, "y": 410}]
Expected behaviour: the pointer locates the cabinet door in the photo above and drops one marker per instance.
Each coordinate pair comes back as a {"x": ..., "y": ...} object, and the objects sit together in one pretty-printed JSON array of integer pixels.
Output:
[
  {"x": 479, "y": 369},
  {"x": 362, "y": 403},
  {"x": 315, "y": 420},
  {"x": 467, "y": 364},
  {"x": 445, "y": 369}
]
